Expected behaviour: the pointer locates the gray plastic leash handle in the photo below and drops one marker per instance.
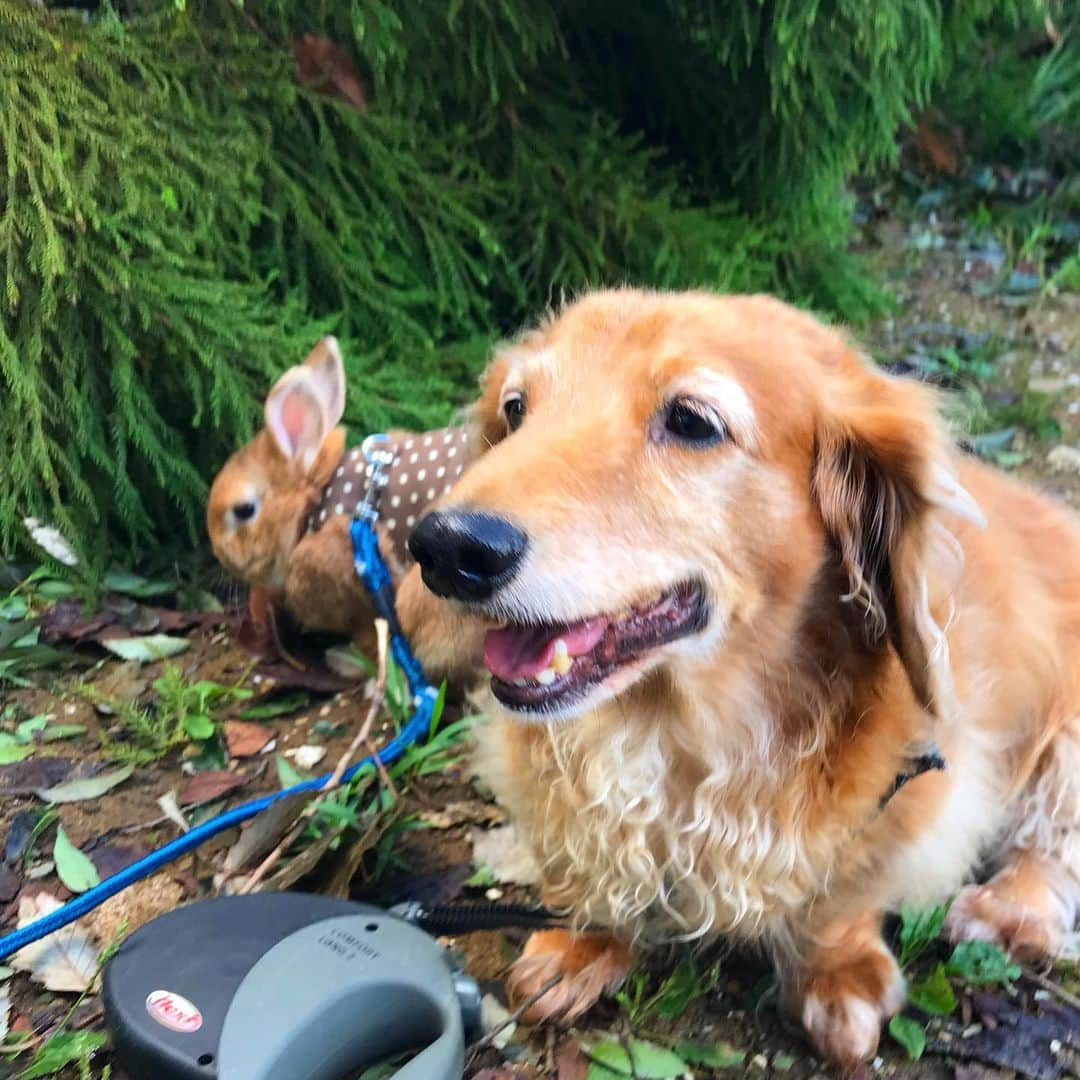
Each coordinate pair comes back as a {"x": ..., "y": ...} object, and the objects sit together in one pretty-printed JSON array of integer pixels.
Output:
[{"x": 341, "y": 994}]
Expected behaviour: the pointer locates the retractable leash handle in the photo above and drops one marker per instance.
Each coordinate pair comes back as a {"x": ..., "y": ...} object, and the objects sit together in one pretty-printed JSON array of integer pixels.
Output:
[{"x": 341, "y": 994}]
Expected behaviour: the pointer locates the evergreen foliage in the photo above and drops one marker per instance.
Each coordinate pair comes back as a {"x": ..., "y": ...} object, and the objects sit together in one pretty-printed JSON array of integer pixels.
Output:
[{"x": 179, "y": 218}]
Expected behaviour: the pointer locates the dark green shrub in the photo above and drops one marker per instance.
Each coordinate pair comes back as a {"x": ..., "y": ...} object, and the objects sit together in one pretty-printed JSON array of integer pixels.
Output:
[{"x": 179, "y": 219}]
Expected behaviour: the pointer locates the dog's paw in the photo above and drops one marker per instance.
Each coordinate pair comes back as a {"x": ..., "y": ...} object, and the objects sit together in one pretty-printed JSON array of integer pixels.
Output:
[
  {"x": 1025, "y": 932},
  {"x": 843, "y": 1005},
  {"x": 589, "y": 966}
]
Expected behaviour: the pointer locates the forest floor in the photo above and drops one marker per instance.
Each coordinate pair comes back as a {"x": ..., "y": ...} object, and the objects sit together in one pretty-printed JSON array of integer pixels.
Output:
[{"x": 121, "y": 753}]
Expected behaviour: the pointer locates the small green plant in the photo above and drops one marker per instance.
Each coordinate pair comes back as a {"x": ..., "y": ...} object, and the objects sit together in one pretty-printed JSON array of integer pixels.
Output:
[
  {"x": 21, "y": 650},
  {"x": 977, "y": 963},
  {"x": 919, "y": 930},
  {"x": 64, "y": 1048},
  {"x": 673, "y": 996},
  {"x": 181, "y": 712}
]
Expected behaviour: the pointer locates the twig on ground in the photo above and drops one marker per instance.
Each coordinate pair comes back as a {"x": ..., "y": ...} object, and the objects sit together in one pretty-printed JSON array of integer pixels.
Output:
[
  {"x": 384, "y": 776},
  {"x": 1051, "y": 987},
  {"x": 248, "y": 669},
  {"x": 515, "y": 1016},
  {"x": 360, "y": 740}
]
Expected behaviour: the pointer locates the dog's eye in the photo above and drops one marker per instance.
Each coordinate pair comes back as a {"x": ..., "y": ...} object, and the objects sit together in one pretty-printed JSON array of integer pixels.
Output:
[
  {"x": 244, "y": 511},
  {"x": 514, "y": 411},
  {"x": 690, "y": 422}
]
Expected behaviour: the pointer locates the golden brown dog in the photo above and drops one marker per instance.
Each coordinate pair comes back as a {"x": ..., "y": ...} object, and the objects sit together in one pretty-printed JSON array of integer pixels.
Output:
[{"x": 733, "y": 577}]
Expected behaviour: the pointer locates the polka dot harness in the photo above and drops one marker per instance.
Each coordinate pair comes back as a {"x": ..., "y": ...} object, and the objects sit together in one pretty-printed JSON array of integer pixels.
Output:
[{"x": 422, "y": 468}]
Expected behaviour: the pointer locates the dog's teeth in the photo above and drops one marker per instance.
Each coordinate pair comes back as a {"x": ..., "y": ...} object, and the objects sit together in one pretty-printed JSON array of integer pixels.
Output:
[
  {"x": 561, "y": 661},
  {"x": 546, "y": 677},
  {"x": 521, "y": 682}
]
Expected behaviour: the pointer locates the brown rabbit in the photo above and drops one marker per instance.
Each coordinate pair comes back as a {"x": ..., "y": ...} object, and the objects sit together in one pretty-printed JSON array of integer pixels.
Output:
[{"x": 279, "y": 511}]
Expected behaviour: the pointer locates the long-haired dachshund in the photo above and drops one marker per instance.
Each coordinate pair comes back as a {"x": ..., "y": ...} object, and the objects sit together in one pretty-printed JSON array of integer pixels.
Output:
[{"x": 727, "y": 579}]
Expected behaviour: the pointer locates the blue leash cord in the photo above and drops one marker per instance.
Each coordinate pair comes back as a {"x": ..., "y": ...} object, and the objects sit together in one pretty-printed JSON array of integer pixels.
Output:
[{"x": 372, "y": 570}]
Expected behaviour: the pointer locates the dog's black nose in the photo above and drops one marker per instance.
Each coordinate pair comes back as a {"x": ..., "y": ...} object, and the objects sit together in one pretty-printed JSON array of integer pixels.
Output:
[{"x": 466, "y": 555}]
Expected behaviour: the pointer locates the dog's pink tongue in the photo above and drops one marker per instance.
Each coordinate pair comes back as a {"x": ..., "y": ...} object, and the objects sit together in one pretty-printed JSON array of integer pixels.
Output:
[{"x": 521, "y": 652}]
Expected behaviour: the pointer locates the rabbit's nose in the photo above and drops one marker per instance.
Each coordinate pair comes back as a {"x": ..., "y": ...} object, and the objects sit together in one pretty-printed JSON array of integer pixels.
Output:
[{"x": 465, "y": 554}]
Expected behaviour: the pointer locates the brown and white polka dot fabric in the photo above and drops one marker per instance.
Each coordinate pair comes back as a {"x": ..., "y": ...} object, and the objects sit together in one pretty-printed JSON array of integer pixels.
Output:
[{"x": 424, "y": 467}]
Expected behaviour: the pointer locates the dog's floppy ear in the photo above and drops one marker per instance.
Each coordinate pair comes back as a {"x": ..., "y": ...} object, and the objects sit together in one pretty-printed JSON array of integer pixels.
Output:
[{"x": 880, "y": 473}]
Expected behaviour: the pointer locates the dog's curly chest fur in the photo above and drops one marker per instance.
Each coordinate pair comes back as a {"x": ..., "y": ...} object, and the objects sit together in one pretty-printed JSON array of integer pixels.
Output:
[{"x": 625, "y": 840}]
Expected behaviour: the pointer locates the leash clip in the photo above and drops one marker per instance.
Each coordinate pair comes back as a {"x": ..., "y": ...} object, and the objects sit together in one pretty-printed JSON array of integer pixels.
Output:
[{"x": 379, "y": 456}]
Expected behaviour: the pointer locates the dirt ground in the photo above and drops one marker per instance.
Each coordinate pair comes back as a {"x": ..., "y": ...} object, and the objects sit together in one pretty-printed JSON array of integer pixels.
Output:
[{"x": 1029, "y": 343}]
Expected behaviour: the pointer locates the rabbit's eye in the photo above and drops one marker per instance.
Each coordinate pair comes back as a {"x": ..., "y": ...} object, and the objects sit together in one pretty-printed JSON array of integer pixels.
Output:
[{"x": 244, "y": 511}]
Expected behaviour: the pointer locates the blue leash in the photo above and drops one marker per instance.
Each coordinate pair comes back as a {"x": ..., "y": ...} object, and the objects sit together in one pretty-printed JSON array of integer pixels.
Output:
[{"x": 372, "y": 570}]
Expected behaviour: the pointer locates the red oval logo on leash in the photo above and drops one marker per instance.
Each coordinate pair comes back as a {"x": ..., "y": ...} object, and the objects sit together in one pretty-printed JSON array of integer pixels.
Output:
[{"x": 173, "y": 1011}]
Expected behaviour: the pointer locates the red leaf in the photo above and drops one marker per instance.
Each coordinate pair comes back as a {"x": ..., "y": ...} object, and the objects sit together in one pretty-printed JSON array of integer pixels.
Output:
[
  {"x": 245, "y": 738},
  {"x": 206, "y": 786},
  {"x": 169, "y": 621},
  {"x": 64, "y": 621},
  {"x": 323, "y": 67}
]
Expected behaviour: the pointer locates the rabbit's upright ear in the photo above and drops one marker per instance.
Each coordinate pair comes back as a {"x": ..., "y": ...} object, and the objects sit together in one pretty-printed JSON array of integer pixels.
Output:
[
  {"x": 327, "y": 372},
  {"x": 296, "y": 417}
]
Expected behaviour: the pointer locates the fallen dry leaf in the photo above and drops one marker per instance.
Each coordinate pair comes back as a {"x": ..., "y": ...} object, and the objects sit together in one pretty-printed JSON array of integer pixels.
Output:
[
  {"x": 570, "y": 1062},
  {"x": 510, "y": 860},
  {"x": 206, "y": 786},
  {"x": 25, "y": 777},
  {"x": 327, "y": 69},
  {"x": 171, "y": 809},
  {"x": 259, "y": 838},
  {"x": 90, "y": 787},
  {"x": 5, "y": 1010},
  {"x": 66, "y": 960},
  {"x": 172, "y": 622},
  {"x": 245, "y": 738},
  {"x": 317, "y": 680},
  {"x": 65, "y": 621},
  {"x": 9, "y": 883},
  {"x": 111, "y": 858},
  {"x": 467, "y": 812},
  {"x": 493, "y": 1021}
]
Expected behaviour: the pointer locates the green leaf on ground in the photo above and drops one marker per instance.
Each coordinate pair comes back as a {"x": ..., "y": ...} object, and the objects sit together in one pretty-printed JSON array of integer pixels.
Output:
[
  {"x": 919, "y": 929},
  {"x": 13, "y": 751},
  {"x": 650, "y": 1062},
  {"x": 933, "y": 994},
  {"x": 92, "y": 787},
  {"x": 714, "y": 1055},
  {"x": 909, "y": 1034},
  {"x": 74, "y": 868},
  {"x": 198, "y": 726},
  {"x": 981, "y": 963},
  {"x": 56, "y": 732},
  {"x": 122, "y": 581},
  {"x": 67, "y": 1048},
  {"x": 148, "y": 648},
  {"x": 288, "y": 775},
  {"x": 28, "y": 728}
]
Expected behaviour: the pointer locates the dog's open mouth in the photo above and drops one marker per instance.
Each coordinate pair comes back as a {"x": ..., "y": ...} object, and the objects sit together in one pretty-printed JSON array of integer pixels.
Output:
[{"x": 540, "y": 668}]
